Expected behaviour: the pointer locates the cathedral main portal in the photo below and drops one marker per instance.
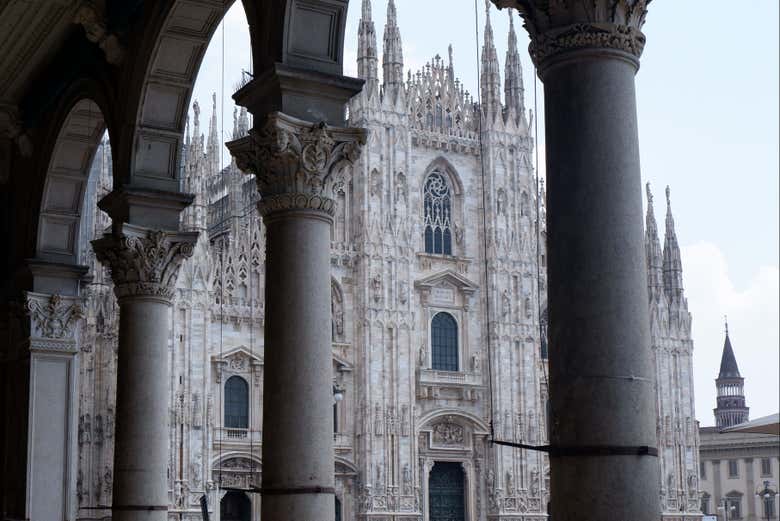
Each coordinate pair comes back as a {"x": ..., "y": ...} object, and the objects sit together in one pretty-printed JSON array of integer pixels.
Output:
[{"x": 447, "y": 492}]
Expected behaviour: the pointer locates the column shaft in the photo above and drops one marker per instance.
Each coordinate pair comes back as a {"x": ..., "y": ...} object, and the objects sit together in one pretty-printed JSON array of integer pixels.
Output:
[
  {"x": 601, "y": 372},
  {"x": 144, "y": 266},
  {"x": 298, "y": 399},
  {"x": 141, "y": 450},
  {"x": 299, "y": 166}
]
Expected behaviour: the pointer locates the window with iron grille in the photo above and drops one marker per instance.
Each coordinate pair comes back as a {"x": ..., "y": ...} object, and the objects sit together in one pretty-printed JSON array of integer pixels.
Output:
[
  {"x": 705, "y": 504},
  {"x": 444, "y": 342},
  {"x": 236, "y": 403},
  {"x": 734, "y": 503},
  {"x": 769, "y": 507},
  {"x": 766, "y": 467},
  {"x": 733, "y": 469}
]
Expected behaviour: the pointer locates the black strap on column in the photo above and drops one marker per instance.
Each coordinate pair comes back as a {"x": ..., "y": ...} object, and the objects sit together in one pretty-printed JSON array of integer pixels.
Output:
[
  {"x": 136, "y": 508},
  {"x": 284, "y": 491},
  {"x": 585, "y": 450}
]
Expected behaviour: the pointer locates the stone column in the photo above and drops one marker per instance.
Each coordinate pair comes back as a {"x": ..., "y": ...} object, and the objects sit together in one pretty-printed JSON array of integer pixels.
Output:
[
  {"x": 53, "y": 405},
  {"x": 601, "y": 371},
  {"x": 144, "y": 265},
  {"x": 299, "y": 166}
]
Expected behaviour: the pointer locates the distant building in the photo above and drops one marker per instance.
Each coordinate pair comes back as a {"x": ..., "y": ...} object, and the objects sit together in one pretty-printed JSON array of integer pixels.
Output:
[{"x": 735, "y": 465}]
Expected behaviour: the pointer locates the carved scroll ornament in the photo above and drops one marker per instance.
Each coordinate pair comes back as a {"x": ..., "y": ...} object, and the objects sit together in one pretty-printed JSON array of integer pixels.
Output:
[
  {"x": 299, "y": 165},
  {"x": 144, "y": 262},
  {"x": 557, "y": 26},
  {"x": 53, "y": 320}
]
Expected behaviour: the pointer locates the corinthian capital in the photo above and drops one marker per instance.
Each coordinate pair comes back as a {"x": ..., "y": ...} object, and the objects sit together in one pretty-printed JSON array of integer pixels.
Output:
[
  {"x": 144, "y": 262},
  {"x": 53, "y": 320},
  {"x": 299, "y": 165},
  {"x": 559, "y": 26}
]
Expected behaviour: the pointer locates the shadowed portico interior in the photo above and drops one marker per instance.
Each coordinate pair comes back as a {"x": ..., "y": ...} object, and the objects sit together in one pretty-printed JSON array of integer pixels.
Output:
[{"x": 73, "y": 69}]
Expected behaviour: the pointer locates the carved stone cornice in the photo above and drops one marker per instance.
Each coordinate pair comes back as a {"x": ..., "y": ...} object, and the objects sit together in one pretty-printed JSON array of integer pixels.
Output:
[
  {"x": 299, "y": 165},
  {"x": 54, "y": 321},
  {"x": 143, "y": 262},
  {"x": 561, "y": 26}
]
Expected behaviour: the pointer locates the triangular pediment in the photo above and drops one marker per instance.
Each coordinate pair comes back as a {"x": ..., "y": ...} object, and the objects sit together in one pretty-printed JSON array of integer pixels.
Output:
[
  {"x": 341, "y": 365},
  {"x": 447, "y": 279},
  {"x": 236, "y": 353}
]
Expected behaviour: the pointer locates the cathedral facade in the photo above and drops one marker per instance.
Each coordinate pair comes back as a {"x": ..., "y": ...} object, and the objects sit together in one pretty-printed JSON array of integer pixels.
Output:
[{"x": 438, "y": 291}]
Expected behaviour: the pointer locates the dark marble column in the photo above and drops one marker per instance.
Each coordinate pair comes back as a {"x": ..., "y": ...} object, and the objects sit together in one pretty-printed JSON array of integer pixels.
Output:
[
  {"x": 298, "y": 165},
  {"x": 601, "y": 370}
]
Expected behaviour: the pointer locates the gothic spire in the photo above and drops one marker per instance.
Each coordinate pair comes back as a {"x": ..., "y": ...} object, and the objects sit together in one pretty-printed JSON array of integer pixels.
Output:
[
  {"x": 450, "y": 67},
  {"x": 490, "y": 79},
  {"x": 653, "y": 249},
  {"x": 728, "y": 362},
  {"x": 196, "y": 136},
  {"x": 243, "y": 122},
  {"x": 367, "y": 53},
  {"x": 212, "y": 150},
  {"x": 731, "y": 407},
  {"x": 392, "y": 53},
  {"x": 235, "y": 123},
  {"x": 672, "y": 264},
  {"x": 513, "y": 74}
]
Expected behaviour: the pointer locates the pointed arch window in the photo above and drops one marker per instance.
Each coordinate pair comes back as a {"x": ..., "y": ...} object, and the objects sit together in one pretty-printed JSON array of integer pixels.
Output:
[
  {"x": 444, "y": 342},
  {"x": 438, "y": 214},
  {"x": 236, "y": 403}
]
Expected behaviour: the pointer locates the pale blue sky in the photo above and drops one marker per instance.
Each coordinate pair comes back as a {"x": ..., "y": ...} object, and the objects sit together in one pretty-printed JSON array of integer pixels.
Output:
[{"x": 707, "y": 97}]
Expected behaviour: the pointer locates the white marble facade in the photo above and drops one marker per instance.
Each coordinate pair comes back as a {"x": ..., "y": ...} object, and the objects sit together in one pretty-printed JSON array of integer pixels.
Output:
[{"x": 398, "y": 415}]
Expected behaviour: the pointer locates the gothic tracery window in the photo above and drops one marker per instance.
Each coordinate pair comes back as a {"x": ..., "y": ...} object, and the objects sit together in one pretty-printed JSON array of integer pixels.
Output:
[
  {"x": 438, "y": 214},
  {"x": 236, "y": 403},
  {"x": 444, "y": 342}
]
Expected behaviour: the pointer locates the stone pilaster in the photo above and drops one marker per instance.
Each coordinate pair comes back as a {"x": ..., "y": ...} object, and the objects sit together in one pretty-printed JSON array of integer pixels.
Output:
[
  {"x": 601, "y": 370},
  {"x": 54, "y": 324},
  {"x": 144, "y": 265},
  {"x": 299, "y": 166}
]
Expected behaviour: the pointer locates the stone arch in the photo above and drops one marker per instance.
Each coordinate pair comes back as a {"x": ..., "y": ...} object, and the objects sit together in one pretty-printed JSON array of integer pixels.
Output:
[
  {"x": 445, "y": 167},
  {"x": 65, "y": 181},
  {"x": 164, "y": 72},
  {"x": 237, "y": 469},
  {"x": 161, "y": 82},
  {"x": 477, "y": 424}
]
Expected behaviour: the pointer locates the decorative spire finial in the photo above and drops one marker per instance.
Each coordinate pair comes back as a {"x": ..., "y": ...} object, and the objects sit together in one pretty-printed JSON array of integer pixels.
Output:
[
  {"x": 392, "y": 52},
  {"x": 668, "y": 193},
  {"x": 726, "y": 321},
  {"x": 649, "y": 194}
]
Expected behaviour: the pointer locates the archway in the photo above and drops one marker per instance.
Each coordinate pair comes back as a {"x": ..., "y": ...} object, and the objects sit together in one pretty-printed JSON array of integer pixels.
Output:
[
  {"x": 446, "y": 492},
  {"x": 235, "y": 506}
]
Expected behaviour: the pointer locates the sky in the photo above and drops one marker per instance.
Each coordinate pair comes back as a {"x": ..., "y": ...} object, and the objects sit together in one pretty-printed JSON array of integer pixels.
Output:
[{"x": 707, "y": 98}]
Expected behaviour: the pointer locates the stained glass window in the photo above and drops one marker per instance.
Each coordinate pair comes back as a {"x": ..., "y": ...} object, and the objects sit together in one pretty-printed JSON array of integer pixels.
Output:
[
  {"x": 236, "y": 403},
  {"x": 444, "y": 343},
  {"x": 438, "y": 215}
]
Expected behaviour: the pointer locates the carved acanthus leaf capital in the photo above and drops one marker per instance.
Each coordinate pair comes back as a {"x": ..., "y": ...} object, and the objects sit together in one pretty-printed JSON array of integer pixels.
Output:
[
  {"x": 144, "y": 262},
  {"x": 299, "y": 165},
  {"x": 558, "y": 26},
  {"x": 53, "y": 320}
]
